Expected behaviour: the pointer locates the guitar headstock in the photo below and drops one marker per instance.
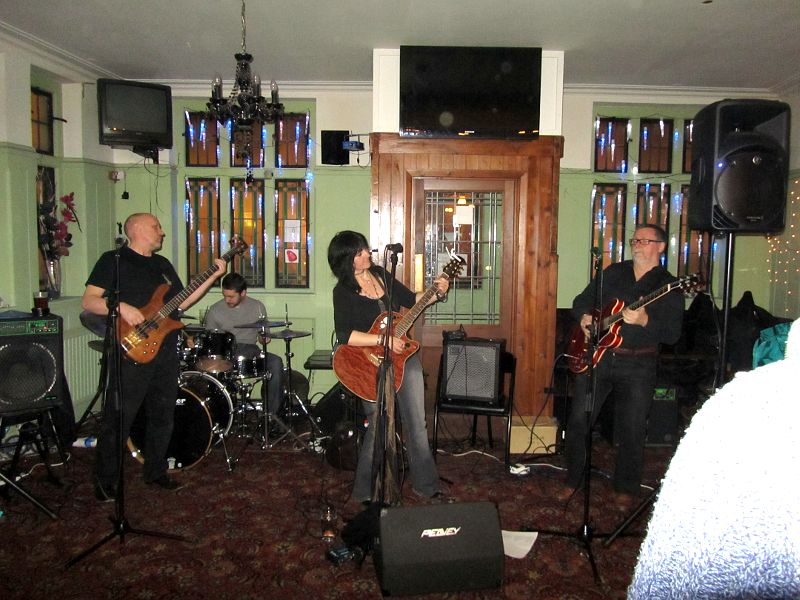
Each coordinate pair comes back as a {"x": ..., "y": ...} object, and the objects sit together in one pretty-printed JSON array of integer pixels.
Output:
[
  {"x": 690, "y": 283},
  {"x": 454, "y": 266},
  {"x": 238, "y": 246}
]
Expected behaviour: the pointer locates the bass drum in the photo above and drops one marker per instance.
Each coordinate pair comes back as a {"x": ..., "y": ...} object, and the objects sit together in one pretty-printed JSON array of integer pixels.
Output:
[{"x": 203, "y": 416}]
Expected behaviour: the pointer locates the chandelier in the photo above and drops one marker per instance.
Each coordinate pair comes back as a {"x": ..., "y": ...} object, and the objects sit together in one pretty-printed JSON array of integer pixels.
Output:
[{"x": 245, "y": 104}]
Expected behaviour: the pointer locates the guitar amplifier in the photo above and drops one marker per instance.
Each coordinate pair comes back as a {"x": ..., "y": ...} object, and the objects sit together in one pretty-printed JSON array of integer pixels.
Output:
[
  {"x": 471, "y": 371},
  {"x": 31, "y": 363}
]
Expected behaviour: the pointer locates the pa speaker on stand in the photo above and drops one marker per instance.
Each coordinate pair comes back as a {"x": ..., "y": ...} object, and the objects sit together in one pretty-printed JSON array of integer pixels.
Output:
[{"x": 740, "y": 167}]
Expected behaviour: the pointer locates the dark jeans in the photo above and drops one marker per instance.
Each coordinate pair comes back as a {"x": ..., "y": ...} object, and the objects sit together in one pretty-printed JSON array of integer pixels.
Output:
[
  {"x": 632, "y": 380},
  {"x": 154, "y": 385},
  {"x": 272, "y": 393}
]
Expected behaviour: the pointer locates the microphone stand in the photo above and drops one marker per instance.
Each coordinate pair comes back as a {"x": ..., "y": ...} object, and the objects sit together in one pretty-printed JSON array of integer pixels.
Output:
[
  {"x": 386, "y": 406},
  {"x": 585, "y": 533},
  {"x": 113, "y": 356}
]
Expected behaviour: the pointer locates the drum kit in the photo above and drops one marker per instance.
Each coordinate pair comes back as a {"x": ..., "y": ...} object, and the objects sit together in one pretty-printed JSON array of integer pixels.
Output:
[
  {"x": 218, "y": 381},
  {"x": 214, "y": 401}
]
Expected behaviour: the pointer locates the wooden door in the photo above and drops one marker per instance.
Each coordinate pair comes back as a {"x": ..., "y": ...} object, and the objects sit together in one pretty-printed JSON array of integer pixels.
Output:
[{"x": 526, "y": 173}]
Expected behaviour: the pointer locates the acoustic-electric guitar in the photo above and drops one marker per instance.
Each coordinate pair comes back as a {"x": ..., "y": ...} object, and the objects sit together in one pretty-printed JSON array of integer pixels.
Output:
[
  {"x": 609, "y": 323},
  {"x": 357, "y": 366},
  {"x": 142, "y": 342}
]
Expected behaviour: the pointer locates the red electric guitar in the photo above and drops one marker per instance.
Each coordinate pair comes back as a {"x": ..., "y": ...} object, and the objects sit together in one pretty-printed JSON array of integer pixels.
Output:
[
  {"x": 357, "y": 366},
  {"x": 142, "y": 342},
  {"x": 610, "y": 321}
]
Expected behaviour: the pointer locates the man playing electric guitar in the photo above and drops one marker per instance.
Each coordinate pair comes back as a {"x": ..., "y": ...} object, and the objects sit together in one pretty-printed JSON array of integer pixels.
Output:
[
  {"x": 153, "y": 383},
  {"x": 629, "y": 369}
]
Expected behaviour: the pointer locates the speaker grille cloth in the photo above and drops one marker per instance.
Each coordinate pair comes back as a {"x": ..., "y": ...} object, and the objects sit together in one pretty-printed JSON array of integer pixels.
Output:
[
  {"x": 28, "y": 372},
  {"x": 471, "y": 371}
]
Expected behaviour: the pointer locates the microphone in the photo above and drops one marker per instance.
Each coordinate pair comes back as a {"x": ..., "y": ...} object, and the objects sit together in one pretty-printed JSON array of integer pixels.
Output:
[
  {"x": 119, "y": 239},
  {"x": 596, "y": 251},
  {"x": 396, "y": 248}
]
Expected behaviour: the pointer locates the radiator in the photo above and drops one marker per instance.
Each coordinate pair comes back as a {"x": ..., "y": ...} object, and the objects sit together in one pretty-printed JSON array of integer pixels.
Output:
[{"x": 82, "y": 368}]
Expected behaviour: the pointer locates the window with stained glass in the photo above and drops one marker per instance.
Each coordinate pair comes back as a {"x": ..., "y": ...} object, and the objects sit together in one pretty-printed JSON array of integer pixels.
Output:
[
  {"x": 695, "y": 250},
  {"x": 291, "y": 141},
  {"x": 247, "y": 222},
  {"x": 652, "y": 207},
  {"x": 291, "y": 233},
  {"x": 247, "y": 145},
  {"x": 202, "y": 140},
  {"x": 655, "y": 145},
  {"x": 688, "y": 138},
  {"x": 42, "y": 121},
  {"x": 608, "y": 221},
  {"x": 611, "y": 145},
  {"x": 202, "y": 215}
]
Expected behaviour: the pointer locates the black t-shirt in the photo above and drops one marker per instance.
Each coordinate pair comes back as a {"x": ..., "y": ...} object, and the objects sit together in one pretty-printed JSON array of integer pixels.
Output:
[
  {"x": 665, "y": 315},
  {"x": 354, "y": 312},
  {"x": 139, "y": 276}
]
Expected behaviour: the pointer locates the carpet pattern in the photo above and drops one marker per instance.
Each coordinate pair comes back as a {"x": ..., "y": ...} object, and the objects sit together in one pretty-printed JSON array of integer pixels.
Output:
[{"x": 255, "y": 532}]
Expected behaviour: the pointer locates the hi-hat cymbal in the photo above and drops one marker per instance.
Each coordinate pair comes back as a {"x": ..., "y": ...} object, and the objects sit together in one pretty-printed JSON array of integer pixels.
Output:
[
  {"x": 192, "y": 329},
  {"x": 288, "y": 334},
  {"x": 265, "y": 324}
]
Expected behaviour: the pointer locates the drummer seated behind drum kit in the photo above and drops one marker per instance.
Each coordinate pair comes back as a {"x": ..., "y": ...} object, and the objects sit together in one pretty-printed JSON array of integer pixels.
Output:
[{"x": 217, "y": 372}]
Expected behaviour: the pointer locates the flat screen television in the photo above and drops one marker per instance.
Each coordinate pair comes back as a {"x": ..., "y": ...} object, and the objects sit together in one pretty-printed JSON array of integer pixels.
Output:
[
  {"x": 452, "y": 91},
  {"x": 134, "y": 115}
]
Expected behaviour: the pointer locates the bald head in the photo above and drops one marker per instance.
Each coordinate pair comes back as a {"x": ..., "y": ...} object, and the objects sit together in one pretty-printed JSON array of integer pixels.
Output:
[{"x": 144, "y": 232}]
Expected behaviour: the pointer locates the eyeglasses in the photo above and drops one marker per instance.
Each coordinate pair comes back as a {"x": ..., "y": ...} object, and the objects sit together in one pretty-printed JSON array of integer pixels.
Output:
[{"x": 642, "y": 241}]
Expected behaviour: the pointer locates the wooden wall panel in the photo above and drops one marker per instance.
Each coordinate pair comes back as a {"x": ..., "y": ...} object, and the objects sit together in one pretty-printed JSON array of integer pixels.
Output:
[{"x": 532, "y": 168}]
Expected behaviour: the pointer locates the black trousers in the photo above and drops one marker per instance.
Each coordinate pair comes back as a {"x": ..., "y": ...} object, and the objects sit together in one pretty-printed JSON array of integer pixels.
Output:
[
  {"x": 632, "y": 379},
  {"x": 155, "y": 386}
]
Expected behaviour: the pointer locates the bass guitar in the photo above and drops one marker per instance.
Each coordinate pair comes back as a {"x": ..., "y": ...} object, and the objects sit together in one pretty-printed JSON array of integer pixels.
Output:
[
  {"x": 357, "y": 366},
  {"x": 142, "y": 342},
  {"x": 609, "y": 323}
]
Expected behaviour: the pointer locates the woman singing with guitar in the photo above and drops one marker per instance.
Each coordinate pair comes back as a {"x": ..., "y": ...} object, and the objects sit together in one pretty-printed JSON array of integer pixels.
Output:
[
  {"x": 626, "y": 359},
  {"x": 359, "y": 299}
]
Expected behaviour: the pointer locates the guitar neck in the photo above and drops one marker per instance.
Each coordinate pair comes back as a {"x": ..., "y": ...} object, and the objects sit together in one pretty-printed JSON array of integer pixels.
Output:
[
  {"x": 643, "y": 301},
  {"x": 194, "y": 284},
  {"x": 405, "y": 323}
]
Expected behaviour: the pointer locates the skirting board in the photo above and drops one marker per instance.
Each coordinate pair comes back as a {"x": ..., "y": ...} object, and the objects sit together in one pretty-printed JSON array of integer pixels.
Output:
[{"x": 543, "y": 439}]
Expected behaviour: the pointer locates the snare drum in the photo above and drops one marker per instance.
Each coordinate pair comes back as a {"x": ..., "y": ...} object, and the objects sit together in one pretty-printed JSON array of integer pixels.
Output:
[
  {"x": 254, "y": 367},
  {"x": 215, "y": 350},
  {"x": 203, "y": 416}
]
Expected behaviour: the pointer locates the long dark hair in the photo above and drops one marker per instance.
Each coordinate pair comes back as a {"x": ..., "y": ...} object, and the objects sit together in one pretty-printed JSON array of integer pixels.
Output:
[{"x": 341, "y": 251}]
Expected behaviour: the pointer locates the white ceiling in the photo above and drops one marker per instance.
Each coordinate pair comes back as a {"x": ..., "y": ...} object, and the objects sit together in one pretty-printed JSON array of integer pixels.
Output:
[{"x": 751, "y": 44}]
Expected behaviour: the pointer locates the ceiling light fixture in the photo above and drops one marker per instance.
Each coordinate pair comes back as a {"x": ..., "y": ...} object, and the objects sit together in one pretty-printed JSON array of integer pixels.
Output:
[{"x": 245, "y": 103}]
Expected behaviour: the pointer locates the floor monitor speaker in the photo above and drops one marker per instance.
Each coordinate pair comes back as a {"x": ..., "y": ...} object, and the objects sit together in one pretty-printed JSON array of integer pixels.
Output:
[
  {"x": 439, "y": 548},
  {"x": 740, "y": 167}
]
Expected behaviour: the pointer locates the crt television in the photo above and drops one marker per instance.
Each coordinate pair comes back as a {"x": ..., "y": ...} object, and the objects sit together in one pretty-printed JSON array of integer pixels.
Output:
[
  {"x": 453, "y": 91},
  {"x": 134, "y": 114}
]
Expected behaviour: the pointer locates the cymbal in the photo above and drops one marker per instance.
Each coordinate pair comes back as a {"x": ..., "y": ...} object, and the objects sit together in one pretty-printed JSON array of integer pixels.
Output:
[
  {"x": 187, "y": 317},
  {"x": 288, "y": 334},
  {"x": 265, "y": 324},
  {"x": 192, "y": 329},
  {"x": 96, "y": 345}
]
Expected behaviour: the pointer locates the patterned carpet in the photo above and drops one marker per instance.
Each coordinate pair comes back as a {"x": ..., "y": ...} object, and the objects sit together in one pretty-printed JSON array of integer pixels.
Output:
[{"x": 255, "y": 532}]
